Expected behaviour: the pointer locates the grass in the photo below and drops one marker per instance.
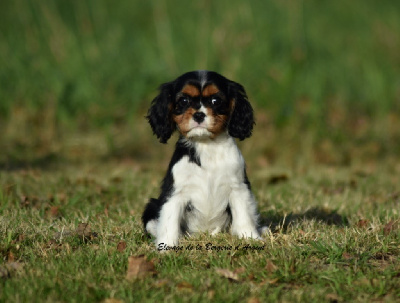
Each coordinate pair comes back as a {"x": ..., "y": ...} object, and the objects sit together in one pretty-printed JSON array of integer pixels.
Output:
[
  {"x": 88, "y": 66},
  {"x": 335, "y": 232},
  {"x": 90, "y": 58},
  {"x": 75, "y": 83}
]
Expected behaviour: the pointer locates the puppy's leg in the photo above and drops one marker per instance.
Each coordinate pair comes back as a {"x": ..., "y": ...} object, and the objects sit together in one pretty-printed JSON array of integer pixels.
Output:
[
  {"x": 150, "y": 216},
  {"x": 244, "y": 212},
  {"x": 168, "y": 227}
]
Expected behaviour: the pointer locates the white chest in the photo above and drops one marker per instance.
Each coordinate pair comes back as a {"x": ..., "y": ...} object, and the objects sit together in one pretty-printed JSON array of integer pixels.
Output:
[{"x": 207, "y": 188}]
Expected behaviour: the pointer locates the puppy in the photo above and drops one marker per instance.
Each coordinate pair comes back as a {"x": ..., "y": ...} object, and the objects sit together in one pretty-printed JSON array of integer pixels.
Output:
[{"x": 206, "y": 187}]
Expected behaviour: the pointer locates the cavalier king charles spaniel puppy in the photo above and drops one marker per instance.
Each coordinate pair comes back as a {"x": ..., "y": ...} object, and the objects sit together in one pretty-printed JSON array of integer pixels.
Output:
[{"x": 206, "y": 187}]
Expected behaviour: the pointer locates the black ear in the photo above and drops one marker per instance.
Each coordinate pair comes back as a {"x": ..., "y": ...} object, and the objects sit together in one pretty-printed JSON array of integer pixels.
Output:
[
  {"x": 159, "y": 114},
  {"x": 242, "y": 118}
]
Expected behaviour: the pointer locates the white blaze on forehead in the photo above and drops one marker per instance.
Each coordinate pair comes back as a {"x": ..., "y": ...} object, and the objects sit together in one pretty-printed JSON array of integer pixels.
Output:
[{"x": 203, "y": 77}]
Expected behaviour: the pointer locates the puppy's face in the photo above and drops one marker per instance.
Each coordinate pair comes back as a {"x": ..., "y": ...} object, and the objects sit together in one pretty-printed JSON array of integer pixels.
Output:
[
  {"x": 201, "y": 109},
  {"x": 201, "y": 104}
]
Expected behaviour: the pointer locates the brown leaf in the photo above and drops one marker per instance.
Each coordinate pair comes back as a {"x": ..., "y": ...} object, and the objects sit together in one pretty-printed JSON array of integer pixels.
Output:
[
  {"x": 227, "y": 274},
  {"x": 112, "y": 300},
  {"x": 271, "y": 267},
  {"x": 390, "y": 226},
  {"x": 121, "y": 246},
  {"x": 139, "y": 267},
  {"x": 53, "y": 212},
  {"x": 85, "y": 232},
  {"x": 362, "y": 223}
]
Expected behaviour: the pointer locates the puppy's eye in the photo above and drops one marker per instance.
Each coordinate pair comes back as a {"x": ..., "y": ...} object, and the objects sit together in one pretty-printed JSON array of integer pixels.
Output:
[
  {"x": 183, "y": 100},
  {"x": 215, "y": 100}
]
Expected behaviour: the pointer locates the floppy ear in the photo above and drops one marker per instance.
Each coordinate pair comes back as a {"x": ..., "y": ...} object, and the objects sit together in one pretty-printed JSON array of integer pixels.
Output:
[
  {"x": 159, "y": 114},
  {"x": 242, "y": 118}
]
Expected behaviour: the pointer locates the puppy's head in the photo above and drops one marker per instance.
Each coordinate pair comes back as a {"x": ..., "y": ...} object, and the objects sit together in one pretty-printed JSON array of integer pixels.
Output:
[{"x": 201, "y": 104}]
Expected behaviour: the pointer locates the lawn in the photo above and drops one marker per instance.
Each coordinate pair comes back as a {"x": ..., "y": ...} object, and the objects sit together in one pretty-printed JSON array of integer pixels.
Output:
[
  {"x": 69, "y": 230},
  {"x": 78, "y": 161}
]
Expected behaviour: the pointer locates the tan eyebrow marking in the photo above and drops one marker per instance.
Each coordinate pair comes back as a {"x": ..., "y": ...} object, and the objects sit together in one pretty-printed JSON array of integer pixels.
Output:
[
  {"x": 191, "y": 90},
  {"x": 210, "y": 90}
]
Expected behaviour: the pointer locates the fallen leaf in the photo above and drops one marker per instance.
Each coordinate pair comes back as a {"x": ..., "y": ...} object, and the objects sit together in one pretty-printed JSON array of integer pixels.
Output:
[
  {"x": 390, "y": 226},
  {"x": 139, "y": 267},
  {"x": 84, "y": 231},
  {"x": 112, "y": 300},
  {"x": 54, "y": 212},
  {"x": 271, "y": 267},
  {"x": 362, "y": 223},
  {"x": 121, "y": 246},
  {"x": 227, "y": 274}
]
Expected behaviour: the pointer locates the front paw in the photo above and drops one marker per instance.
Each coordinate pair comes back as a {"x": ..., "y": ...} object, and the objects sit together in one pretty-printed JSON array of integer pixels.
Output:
[{"x": 248, "y": 234}]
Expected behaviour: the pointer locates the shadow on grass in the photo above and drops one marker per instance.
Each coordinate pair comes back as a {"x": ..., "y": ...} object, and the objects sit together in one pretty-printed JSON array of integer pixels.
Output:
[{"x": 282, "y": 222}]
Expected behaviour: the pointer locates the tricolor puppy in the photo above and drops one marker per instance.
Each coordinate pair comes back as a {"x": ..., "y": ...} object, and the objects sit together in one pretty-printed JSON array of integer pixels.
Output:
[{"x": 206, "y": 188}]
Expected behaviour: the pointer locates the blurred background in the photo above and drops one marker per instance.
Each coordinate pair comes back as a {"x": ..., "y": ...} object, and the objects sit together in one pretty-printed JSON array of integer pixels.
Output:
[{"x": 77, "y": 77}]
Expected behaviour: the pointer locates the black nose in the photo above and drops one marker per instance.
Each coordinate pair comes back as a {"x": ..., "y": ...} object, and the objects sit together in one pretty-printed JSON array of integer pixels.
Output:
[{"x": 199, "y": 117}]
